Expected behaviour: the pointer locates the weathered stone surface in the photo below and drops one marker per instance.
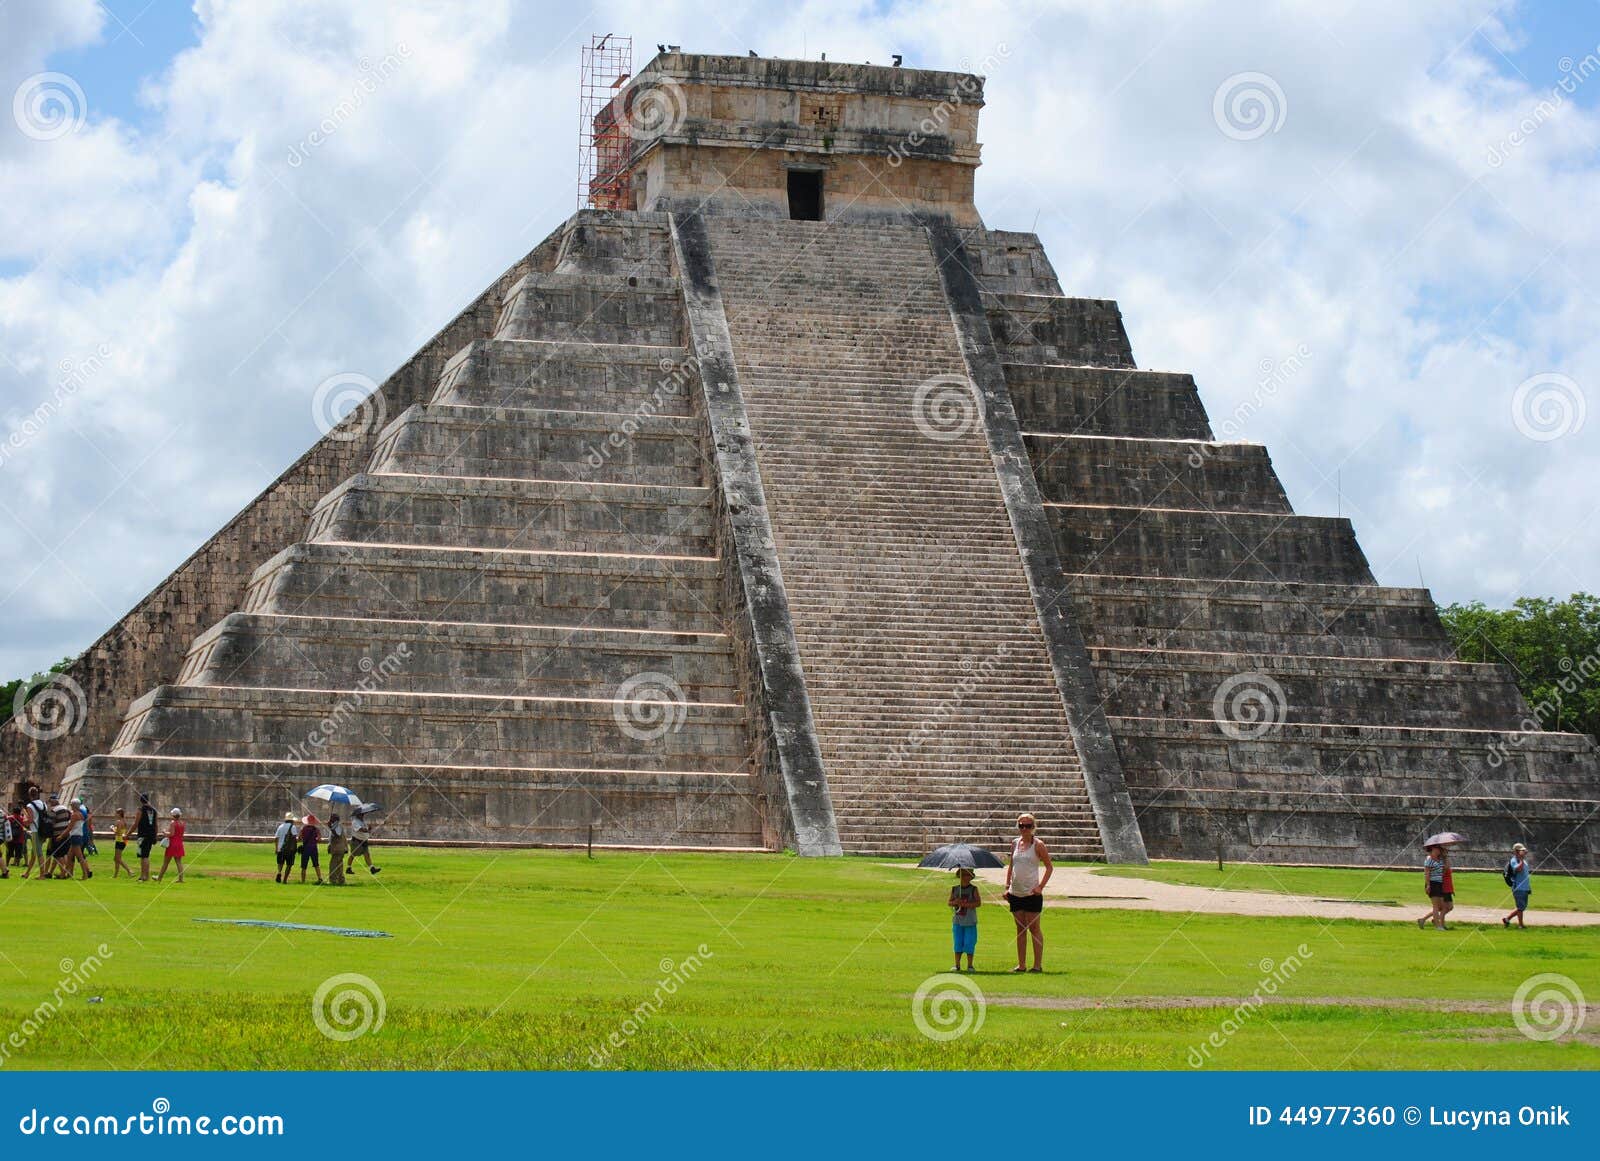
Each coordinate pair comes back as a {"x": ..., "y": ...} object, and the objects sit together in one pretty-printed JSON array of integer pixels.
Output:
[{"x": 681, "y": 470}]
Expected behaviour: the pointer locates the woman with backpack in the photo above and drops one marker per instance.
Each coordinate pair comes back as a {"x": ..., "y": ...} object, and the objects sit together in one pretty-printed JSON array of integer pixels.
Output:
[{"x": 1519, "y": 877}]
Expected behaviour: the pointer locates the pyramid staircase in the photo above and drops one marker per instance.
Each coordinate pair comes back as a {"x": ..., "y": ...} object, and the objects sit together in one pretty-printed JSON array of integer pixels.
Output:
[{"x": 936, "y": 710}]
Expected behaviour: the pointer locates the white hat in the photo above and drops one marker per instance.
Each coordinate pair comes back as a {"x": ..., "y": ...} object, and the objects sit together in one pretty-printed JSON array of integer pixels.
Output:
[{"x": 175, "y": 812}]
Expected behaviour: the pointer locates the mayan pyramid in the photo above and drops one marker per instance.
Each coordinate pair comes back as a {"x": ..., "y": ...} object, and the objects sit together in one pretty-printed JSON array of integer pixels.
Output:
[{"x": 794, "y": 507}]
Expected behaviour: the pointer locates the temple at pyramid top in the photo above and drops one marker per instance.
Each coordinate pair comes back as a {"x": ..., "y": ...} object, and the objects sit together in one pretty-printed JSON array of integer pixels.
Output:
[{"x": 808, "y": 140}]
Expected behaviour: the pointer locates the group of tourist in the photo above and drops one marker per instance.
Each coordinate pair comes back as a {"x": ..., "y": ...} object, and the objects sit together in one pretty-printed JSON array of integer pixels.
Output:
[
  {"x": 302, "y": 836},
  {"x": 1438, "y": 880},
  {"x": 1030, "y": 868},
  {"x": 51, "y": 839}
]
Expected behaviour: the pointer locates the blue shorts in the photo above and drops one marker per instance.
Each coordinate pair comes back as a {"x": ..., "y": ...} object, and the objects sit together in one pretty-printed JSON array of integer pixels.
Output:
[
  {"x": 1522, "y": 899},
  {"x": 965, "y": 937}
]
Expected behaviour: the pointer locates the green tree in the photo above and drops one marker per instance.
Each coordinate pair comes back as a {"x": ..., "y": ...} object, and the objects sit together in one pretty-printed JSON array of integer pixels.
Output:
[{"x": 1552, "y": 646}]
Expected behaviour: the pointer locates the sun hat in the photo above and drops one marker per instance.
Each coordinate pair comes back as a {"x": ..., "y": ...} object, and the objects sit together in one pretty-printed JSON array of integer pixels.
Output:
[
  {"x": 1519, "y": 847},
  {"x": 290, "y": 818},
  {"x": 175, "y": 812}
]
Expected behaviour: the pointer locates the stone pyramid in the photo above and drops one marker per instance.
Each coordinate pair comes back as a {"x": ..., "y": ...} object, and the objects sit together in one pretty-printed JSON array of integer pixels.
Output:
[{"x": 795, "y": 507}]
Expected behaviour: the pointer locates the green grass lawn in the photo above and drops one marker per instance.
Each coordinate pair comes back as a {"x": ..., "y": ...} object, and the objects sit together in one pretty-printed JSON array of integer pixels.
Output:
[
  {"x": 528, "y": 959},
  {"x": 1473, "y": 888}
]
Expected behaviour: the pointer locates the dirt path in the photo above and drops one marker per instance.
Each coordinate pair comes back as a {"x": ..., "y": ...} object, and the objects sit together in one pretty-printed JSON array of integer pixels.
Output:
[{"x": 1084, "y": 888}]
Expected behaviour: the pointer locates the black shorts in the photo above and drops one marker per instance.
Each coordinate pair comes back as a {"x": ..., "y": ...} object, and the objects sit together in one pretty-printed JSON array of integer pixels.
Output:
[
  {"x": 1437, "y": 891},
  {"x": 1025, "y": 902},
  {"x": 286, "y": 857},
  {"x": 144, "y": 847},
  {"x": 121, "y": 846},
  {"x": 308, "y": 858}
]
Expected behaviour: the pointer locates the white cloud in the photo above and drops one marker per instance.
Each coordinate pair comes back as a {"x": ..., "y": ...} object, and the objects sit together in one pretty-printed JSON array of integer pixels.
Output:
[{"x": 224, "y": 282}]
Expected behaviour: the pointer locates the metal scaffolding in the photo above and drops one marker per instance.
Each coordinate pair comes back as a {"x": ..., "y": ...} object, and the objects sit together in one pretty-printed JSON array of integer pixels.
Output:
[{"x": 605, "y": 65}]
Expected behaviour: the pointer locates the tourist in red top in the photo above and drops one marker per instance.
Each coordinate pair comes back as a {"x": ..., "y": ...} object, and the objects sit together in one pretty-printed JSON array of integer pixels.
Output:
[{"x": 175, "y": 830}]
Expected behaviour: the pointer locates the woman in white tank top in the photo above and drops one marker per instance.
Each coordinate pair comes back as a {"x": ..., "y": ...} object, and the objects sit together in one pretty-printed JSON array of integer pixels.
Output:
[{"x": 1029, "y": 870}]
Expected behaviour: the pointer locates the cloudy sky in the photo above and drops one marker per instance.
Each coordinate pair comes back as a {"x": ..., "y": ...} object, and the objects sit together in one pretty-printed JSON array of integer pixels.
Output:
[{"x": 1371, "y": 231}]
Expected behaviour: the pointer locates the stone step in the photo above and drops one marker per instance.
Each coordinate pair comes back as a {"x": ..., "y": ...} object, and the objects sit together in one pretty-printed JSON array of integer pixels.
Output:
[
  {"x": 529, "y": 374},
  {"x": 457, "y": 803},
  {"x": 1193, "y": 544},
  {"x": 1254, "y": 687},
  {"x": 248, "y": 649},
  {"x": 1335, "y": 759},
  {"x": 1224, "y": 477},
  {"x": 1239, "y": 616},
  {"x": 1120, "y": 401},
  {"x": 1361, "y": 828},
  {"x": 584, "y": 307},
  {"x": 572, "y": 516},
  {"x": 673, "y": 594},
  {"x": 1038, "y": 328},
  {"x": 603, "y": 242},
  {"x": 504, "y": 443},
  {"x": 638, "y": 733}
]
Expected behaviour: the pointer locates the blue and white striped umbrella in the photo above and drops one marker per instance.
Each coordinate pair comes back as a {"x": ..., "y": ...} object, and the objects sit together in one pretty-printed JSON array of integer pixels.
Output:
[{"x": 327, "y": 792}]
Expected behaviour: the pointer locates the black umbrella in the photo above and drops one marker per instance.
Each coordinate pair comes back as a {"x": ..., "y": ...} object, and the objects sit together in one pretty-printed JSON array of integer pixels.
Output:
[{"x": 954, "y": 855}]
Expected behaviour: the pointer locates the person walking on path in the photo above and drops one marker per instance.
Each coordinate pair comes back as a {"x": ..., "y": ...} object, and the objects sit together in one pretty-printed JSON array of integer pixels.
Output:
[
  {"x": 119, "y": 843},
  {"x": 58, "y": 863},
  {"x": 1025, "y": 891},
  {"x": 361, "y": 843},
  {"x": 175, "y": 851},
  {"x": 964, "y": 903},
  {"x": 145, "y": 831},
  {"x": 284, "y": 843},
  {"x": 309, "y": 837},
  {"x": 77, "y": 838},
  {"x": 1439, "y": 884},
  {"x": 1519, "y": 877},
  {"x": 338, "y": 848}
]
